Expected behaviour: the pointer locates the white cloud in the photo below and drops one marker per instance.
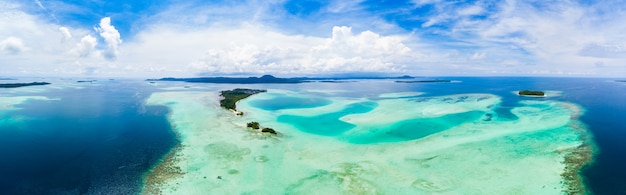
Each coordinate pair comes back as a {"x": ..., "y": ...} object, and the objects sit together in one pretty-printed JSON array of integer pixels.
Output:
[
  {"x": 40, "y": 5},
  {"x": 45, "y": 48},
  {"x": 478, "y": 56},
  {"x": 445, "y": 12},
  {"x": 514, "y": 37},
  {"x": 425, "y": 2},
  {"x": 111, "y": 37},
  {"x": 603, "y": 51},
  {"x": 343, "y": 52},
  {"x": 471, "y": 10},
  {"x": 46, "y": 10},
  {"x": 12, "y": 45},
  {"x": 561, "y": 37},
  {"x": 86, "y": 47},
  {"x": 365, "y": 52},
  {"x": 65, "y": 32},
  {"x": 367, "y": 43},
  {"x": 344, "y": 6},
  {"x": 186, "y": 45},
  {"x": 35, "y": 40}
]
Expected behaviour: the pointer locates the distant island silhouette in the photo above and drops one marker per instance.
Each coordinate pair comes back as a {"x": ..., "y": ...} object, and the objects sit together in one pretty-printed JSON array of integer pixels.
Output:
[
  {"x": 15, "y": 85},
  {"x": 269, "y": 79},
  {"x": 531, "y": 93},
  {"x": 426, "y": 81},
  {"x": 234, "y": 80}
]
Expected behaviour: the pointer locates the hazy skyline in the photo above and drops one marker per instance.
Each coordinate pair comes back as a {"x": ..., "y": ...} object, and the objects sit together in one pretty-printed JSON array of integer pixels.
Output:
[{"x": 420, "y": 37}]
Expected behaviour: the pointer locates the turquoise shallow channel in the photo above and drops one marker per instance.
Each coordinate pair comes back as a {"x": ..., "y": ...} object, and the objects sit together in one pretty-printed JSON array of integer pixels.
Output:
[
  {"x": 413, "y": 128},
  {"x": 337, "y": 123},
  {"x": 327, "y": 124},
  {"x": 289, "y": 102}
]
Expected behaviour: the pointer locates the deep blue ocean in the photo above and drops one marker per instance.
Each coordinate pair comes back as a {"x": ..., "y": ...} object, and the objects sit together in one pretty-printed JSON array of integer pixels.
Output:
[
  {"x": 102, "y": 139},
  {"x": 96, "y": 140}
]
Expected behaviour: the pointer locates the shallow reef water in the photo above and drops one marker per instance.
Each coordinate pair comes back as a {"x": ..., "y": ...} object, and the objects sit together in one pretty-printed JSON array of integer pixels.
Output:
[
  {"x": 402, "y": 142},
  {"x": 471, "y": 137}
]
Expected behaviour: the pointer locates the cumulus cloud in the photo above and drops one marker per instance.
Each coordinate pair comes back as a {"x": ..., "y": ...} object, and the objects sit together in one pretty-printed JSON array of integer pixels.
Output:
[
  {"x": 111, "y": 37},
  {"x": 367, "y": 43},
  {"x": 456, "y": 37},
  {"x": 342, "y": 52},
  {"x": 240, "y": 59},
  {"x": 12, "y": 45},
  {"x": 88, "y": 44},
  {"x": 86, "y": 47},
  {"x": 65, "y": 32},
  {"x": 366, "y": 51}
]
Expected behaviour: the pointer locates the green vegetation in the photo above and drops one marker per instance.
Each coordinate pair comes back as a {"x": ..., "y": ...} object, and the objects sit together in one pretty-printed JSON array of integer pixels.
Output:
[
  {"x": 268, "y": 130},
  {"x": 232, "y": 96},
  {"x": 254, "y": 125},
  {"x": 15, "y": 85},
  {"x": 531, "y": 93}
]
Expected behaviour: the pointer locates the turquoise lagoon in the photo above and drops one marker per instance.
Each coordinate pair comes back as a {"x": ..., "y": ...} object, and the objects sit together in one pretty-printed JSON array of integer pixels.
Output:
[
  {"x": 470, "y": 137},
  {"x": 389, "y": 138}
]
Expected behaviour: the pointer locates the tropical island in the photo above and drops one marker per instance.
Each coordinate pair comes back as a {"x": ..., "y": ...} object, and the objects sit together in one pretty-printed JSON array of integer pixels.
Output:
[
  {"x": 256, "y": 126},
  {"x": 15, "y": 85},
  {"x": 232, "y": 96},
  {"x": 531, "y": 93}
]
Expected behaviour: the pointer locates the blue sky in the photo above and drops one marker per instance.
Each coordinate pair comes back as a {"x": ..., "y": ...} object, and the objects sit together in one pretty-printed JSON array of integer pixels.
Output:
[{"x": 153, "y": 38}]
